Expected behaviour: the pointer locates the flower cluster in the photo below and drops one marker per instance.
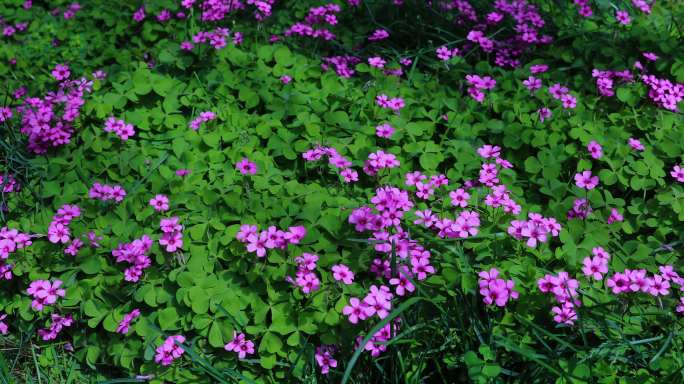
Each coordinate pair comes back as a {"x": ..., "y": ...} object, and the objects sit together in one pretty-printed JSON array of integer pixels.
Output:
[
  {"x": 119, "y": 127},
  {"x": 105, "y": 192},
  {"x": 125, "y": 323},
  {"x": 240, "y": 345},
  {"x": 663, "y": 92},
  {"x": 395, "y": 103},
  {"x": 335, "y": 159},
  {"x": 632, "y": 281},
  {"x": 10, "y": 30},
  {"x": 378, "y": 343},
  {"x": 564, "y": 290},
  {"x": 172, "y": 238},
  {"x": 217, "y": 10},
  {"x": 40, "y": 117},
  {"x": 425, "y": 190},
  {"x": 135, "y": 254},
  {"x": 379, "y": 160},
  {"x": 71, "y": 10},
  {"x": 203, "y": 117},
  {"x": 595, "y": 267},
  {"x": 305, "y": 278},
  {"x": 344, "y": 65},
  {"x": 480, "y": 39},
  {"x": 259, "y": 242},
  {"x": 580, "y": 209},
  {"x": 378, "y": 302},
  {"x": 444, "y": 53},
  {"x": 58, "y": 230},
  {"x": 562, "y": 93},
  {"x": 391, "y": 204},
  {"x": 496, "y": 291},
  {"x": 643, "y": 5},
  {"x": 584, "y": 8},
  {"x": 45, "y": 293},
  {"x": 605, "y": 80},
  {"x": 58, "y": 323},
  {"x": 536, "y": 229},
  {"x": 325, "y": 14},
  {"x": 324, "y": 358},
  {"x": 477, "y": 85},
  {"x": 216, "y": 38},
  {"x": 169, "y": 350},
  {"x": 11, "y": 240}
]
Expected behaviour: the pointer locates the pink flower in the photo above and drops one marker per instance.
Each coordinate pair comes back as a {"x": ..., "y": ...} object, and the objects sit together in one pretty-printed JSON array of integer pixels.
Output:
[
  {"x": 257, "y": 243},
  {"x": 378, "y": 34},
  {"x": 45, "y": 293},
  {"x": 595, "y": 267},
  {"x": 384, "y": 130},
  {"x": 622, "y": 17},
  {"x": 459, "y": 198},
  {"x": 680, "y": 307},
  {"x": 678, "y": 173},
  {"x": 246, "y": 167},
  {"x": 61, "y": 72},
  {"x": 444, "y": 53},
  {"x": 659, "y": 286},
  {"x": 125, "y": 323},
  {"x": 650, "y": 56},
  {"x": 58, "y": 233},
  {"x": 356, "y": 310},
  {"x": 349, "y": 175},
  {"x": 532, "y": 83},
  {"x": 495, "y": 293},
  {"x": 377, "y": 62},
  {"x": 160, "y": 203},
  {"x": 618, "y": 283},
  {"x": 240, "y": 345},
  {"x": 324, "y": 358},
  {"x": 568, "y": 101},
  {"x": 635, "y": 144},
  {"x": 564, "y": 315},
  {"x": 3, "y": 325},
  {"x": 539, "y": 68},
  {"x": 535, "y": 234},
  {"x": 586, "y": 180},
  {"x": 615, "y": 216},
  {"x": 544, "y": 113},
  {"x": 403, "y": 283},
  {"x": 342, "y": 273},
  {"x": 285, "y": 79},
  {"x": 488, "y": 151},
  {"x": 169, "y": 350},
  {"x": 595, "y": 149}
]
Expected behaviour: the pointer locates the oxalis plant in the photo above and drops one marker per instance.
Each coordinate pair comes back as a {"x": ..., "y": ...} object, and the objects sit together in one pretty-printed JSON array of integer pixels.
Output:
[{"x": 341, "y": 191}]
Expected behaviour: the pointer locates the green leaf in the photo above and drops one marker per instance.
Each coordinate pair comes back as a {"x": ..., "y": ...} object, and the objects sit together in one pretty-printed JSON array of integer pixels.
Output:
[{"x": 270, "y": 342}]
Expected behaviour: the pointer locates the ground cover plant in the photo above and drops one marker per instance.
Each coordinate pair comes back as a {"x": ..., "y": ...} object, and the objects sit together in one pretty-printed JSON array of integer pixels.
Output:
[{"x": 342, "y": 191}]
